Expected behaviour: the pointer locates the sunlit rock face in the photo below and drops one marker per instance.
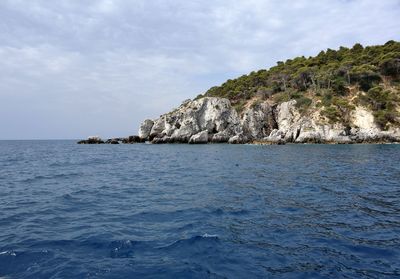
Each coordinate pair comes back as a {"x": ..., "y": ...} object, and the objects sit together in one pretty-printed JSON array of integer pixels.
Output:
[
  {"x": 212, "y": 119},
  {"x": 213, "y": 115}
]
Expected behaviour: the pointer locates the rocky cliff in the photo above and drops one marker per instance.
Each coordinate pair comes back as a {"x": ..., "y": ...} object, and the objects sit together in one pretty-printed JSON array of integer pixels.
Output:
[
  {"x": 214, "y": 120},
  {"x": 349, "y": 95},
  {"x": 339, "y": 96}
]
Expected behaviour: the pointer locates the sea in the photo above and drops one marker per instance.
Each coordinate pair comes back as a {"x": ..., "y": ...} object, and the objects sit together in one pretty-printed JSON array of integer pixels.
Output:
[{"x": 199, "y": 211}]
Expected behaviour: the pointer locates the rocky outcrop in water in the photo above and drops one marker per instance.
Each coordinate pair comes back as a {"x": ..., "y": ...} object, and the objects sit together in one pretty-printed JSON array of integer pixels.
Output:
[
  {"x": 92, "y": 140},
  {"x": 98, "y": 140},
  {"x": 214, "y": 120}
]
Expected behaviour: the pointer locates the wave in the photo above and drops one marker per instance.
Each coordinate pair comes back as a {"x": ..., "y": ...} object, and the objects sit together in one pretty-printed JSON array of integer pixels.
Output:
[
  {"x": 124, "y": 248},
  {"x": 198, "y": 240},
  {"x": 8, "y": 253}
]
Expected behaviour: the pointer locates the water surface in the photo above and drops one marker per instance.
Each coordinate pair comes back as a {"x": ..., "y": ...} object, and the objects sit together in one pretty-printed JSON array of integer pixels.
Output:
[{"x": 206, "y": 211}]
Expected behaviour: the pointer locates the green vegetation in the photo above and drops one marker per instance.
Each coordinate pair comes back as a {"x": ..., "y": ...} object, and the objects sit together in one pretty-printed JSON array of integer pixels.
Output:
[
  {"x": 303, "y": 103},
  {"x": 383, "y": 103},
  {"x": 239, "y": 106},
  {"x": 328, "y": 80},
  {"x": 337, "y": 109},
  {"x": 332, "y": 113}
]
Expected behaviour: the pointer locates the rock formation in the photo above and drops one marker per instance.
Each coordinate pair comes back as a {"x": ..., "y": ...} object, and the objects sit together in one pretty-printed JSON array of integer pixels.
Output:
[
  {"x": 92, "y": 140},
  {"x": 193, "y": 121},
  {"x": 98, "y": 140},
  {"x": 349, "y": 95},
  {"x": 213, "y": 119}
]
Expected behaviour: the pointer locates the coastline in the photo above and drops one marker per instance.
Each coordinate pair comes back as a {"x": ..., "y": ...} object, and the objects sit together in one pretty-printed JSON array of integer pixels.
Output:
[
  {"x": 116, "y": 141},
  {"x": 214, "y": 120}
]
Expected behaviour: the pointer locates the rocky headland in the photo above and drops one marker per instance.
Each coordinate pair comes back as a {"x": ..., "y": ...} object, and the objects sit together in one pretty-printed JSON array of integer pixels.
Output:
[
  {"x": 214, "y": 120},
  {"x": 350, "y": 95}
]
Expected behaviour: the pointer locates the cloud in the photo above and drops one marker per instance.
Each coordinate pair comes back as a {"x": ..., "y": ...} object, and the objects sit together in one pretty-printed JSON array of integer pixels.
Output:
[{"x": 74, "y": 68}]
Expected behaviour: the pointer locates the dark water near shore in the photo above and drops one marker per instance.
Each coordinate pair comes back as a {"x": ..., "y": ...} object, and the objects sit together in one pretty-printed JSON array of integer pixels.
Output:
[{"x": 207, "y": 211}]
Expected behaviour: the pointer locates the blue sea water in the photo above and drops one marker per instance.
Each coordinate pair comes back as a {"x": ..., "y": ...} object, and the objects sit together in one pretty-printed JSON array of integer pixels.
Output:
[{"x": 199, "y": 211}]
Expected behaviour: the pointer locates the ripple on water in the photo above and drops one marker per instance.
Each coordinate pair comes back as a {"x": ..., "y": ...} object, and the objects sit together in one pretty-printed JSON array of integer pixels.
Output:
[{"x": 211, "y": 211}]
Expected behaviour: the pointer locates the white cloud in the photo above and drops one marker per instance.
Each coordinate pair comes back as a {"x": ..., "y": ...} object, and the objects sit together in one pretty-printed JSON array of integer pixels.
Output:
[{"x": 100, "y": 67}]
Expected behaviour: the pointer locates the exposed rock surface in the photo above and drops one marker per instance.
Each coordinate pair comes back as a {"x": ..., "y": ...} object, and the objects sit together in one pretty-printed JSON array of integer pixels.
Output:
[
  {"x": 212, "y": 119},
  {"x": 112, "y": 141},
  {"x": 145, "y": 128},
  {"x": 258, "y": 121},
  {"x": 238, "y": 139},
  {"x": 92, "y": 140},
  {"x": 98, "y": 140},
  {"x": 292, "y": 127},
  {"x": 212, "y": 115},
  {"x": 201, "y": 137}
]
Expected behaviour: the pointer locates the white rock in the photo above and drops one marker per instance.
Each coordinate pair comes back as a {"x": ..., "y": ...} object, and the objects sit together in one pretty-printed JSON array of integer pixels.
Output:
[
  {"x": 158, "y": 127},
  {"x": 258, "y": 121},
  {"x": 363, "y": 119},
  {"x": 214, "y": 115},
  {"x": 238, "y": 139},
  {"x": 220, "y": 137},
  {"x": 145, "y": 128},
  {"x": 213, "y": 119},
  {"x": 201, "y": 137},
  {"x": 287, "y": 115}
]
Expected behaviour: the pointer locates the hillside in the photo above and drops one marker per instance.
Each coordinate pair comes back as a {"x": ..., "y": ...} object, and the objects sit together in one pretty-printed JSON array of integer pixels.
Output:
[
  {"x": 333, "y": 82},
  {"x": 339, "y": 96}
]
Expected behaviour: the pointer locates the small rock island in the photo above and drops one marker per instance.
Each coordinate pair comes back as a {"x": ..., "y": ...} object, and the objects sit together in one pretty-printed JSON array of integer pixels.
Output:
[{"x": 350, "y": 95}]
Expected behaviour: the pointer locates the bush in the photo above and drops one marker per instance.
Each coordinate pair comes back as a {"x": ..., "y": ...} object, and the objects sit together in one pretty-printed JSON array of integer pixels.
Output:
[
  {"x": 378, "y": 99},
  {"x": 332, "y": 113},
  {"x": 391, "y": 67},
  {"x": 366, "y": 75},
  {"x": 296, "y": 95},
  {"x": 330, "y": 70},
  {"x": 282, "y": 97},
  {"x": 327, "y": 98},
  {"x": 339, "y": 86},
  {"x": 384, "y": 117},
  {"x": 303, "y": 103},
  {"x": 383, "y": 103},
  {"x": 239, "y": 107}
]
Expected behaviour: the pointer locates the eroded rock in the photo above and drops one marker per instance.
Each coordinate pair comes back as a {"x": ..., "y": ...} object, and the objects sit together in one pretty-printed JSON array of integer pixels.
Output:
[
  {"x": 145, "y": 128},
  {"x": 201, "y": 137},
  {"x": 214, "y": 115},
  {"x": 214, "y": 120}
]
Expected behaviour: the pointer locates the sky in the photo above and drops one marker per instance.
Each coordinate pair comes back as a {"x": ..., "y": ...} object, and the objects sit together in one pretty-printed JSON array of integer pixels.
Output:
[{"x": 70, "y": 69}]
